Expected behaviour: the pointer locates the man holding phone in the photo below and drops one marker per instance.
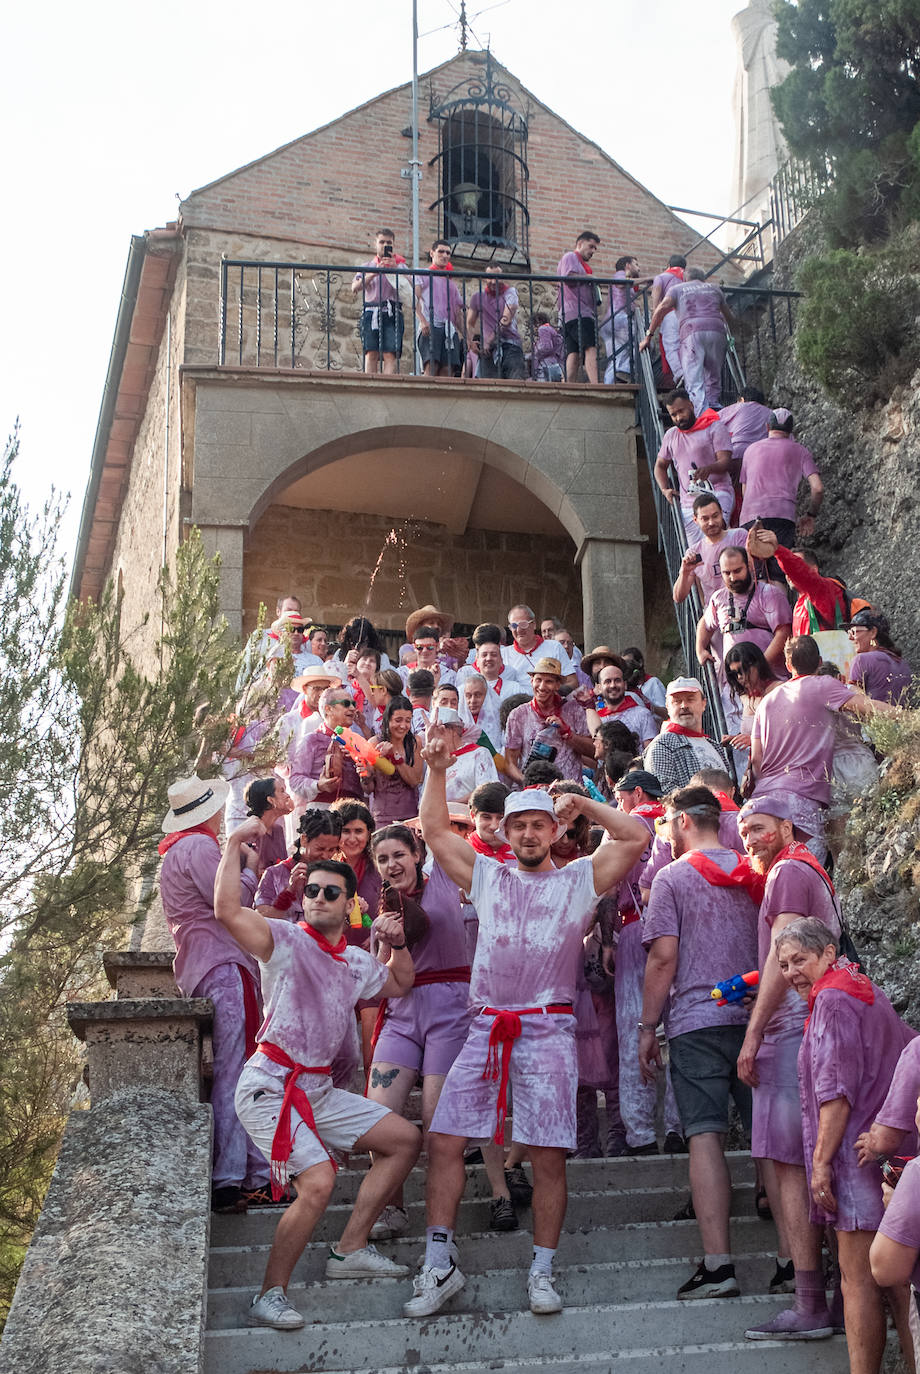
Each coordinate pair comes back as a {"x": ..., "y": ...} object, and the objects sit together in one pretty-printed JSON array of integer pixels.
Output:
[{"x": 382, "y": 317}]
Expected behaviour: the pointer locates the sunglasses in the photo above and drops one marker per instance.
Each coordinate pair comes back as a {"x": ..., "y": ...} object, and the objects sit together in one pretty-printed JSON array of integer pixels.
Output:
[
  {"x": 341, "y": 701},
  {"x": 330, "y": 891},
  {"x": 516, "y": 624},
  {"x": 425, "y": 644}
]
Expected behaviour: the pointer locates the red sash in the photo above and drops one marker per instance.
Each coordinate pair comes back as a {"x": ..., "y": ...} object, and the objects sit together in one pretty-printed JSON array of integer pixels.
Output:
[
  {"x": 283, "y": 1140},
  {"x": 252, "y": 1016},
  {"x": 169, "y": 840},
  {"x": 505, "y": 1030}
]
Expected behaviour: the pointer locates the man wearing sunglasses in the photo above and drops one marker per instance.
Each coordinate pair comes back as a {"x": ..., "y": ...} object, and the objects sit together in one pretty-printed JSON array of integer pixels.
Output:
[
  {"x": 311, "y": 979},
  {"x": 322, "y": 770},
  {"x": 526, "y": 649}
]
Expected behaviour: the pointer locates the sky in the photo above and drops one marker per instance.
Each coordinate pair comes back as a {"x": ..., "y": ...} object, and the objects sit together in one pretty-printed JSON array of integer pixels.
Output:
[{"x": 110, "y": 113}]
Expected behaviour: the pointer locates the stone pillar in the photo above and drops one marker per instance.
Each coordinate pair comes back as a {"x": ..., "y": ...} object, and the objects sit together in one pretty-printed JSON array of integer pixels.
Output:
[
  {"x": 611, "y": 587},
  {"x": 227, "y": 540}
]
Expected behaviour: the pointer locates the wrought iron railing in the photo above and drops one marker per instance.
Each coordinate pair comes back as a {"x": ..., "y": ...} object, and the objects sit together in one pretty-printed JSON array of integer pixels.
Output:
[
  {"x": 317, "y": 317},
  {"x": 793, "y": 191}
]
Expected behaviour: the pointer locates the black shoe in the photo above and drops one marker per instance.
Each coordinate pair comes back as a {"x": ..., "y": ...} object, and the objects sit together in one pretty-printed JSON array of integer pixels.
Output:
[
  {"x": 228, "y": 1198},
  {"x": 473, "y": 1156},
  {"x": 783, "y": 1280},
  {"x": 674, "y": 1144},
  {"x": 686, "y": 1212},
  {"x": 518, "y": 1186},
  {"x": 502, "y": 1216},
  {"x": 262, "y": 1196},
  {"x": 650, "y": 1149},
  {"x": 762, "y": 1205},
  {"x": 711, "y": 1283}
]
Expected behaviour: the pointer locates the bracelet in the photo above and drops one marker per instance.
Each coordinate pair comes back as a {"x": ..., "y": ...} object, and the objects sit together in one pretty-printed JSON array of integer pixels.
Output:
[
  {"x": 402, "y": 946},
  {"x": 644, "y": 1027}
]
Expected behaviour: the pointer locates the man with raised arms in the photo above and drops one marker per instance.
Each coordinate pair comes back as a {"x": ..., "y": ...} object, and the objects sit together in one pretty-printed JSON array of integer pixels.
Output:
[
  {"x": 311, "y": 980},
  {"x": 532, "y": 920}
]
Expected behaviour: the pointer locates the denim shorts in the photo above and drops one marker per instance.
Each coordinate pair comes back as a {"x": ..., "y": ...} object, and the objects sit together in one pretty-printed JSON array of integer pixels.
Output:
[{"x": 704, "y": 1076}]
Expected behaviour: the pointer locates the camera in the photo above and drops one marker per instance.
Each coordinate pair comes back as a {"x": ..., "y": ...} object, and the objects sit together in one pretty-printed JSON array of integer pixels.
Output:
[{"x": 735, "y": 627}]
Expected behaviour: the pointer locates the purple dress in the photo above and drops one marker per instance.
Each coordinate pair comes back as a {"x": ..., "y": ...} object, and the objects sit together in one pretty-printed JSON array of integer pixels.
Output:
[{"x": 851, "y": 1050}]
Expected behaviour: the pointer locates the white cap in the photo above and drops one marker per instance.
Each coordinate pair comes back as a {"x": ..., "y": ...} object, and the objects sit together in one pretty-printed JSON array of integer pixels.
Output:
[
  {"x": 448, "y": 716},
  {"x": 530, "y": 799},
  {"x": 685, "y": 684}
]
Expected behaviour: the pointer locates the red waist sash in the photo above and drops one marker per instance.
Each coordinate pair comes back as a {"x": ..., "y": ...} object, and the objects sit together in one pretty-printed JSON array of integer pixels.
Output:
[
  {"x": 505, "y": 1030},
  {"x": 283, "y": 1140}
]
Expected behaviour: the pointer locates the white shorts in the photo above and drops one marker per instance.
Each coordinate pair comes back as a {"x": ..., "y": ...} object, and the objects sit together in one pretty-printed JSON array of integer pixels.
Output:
[{"x": 341, "y": 1117}]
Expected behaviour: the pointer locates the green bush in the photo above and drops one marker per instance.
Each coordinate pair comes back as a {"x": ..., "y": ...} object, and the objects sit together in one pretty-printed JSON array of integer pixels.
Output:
[{"x": 857, "y": 325}]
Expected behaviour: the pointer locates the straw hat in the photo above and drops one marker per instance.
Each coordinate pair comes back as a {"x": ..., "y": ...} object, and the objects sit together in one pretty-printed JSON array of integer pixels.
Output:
[
  {"x": 313, "y": 675},
  {"x": 194, "y": 800},
  {"x": 428, "y": 615},
  {"x": 602, "y": 651},
  {"x": 549, "y": 667}
]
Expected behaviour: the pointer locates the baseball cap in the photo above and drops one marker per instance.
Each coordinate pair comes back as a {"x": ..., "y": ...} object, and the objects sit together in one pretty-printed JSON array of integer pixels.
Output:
[
  {"x": 685, "y": 684},
  {"x": 773, "y": 804},
  {"x": 639, "y": 777}
]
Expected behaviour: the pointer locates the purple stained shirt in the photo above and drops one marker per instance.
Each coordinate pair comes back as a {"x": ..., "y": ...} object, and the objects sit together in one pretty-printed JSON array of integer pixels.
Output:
[
  {"x": 638, "y": 719},
  {"x": 900, "y": 1106},
  {"x": 707, "y": 572},
  {"x": 850, "y": 1050},
  {"x": 490, "y": 308},
  {"x": 620, "y": 298},
  {"x": 547, "y": 348},
  {"x": 575, "y": 299},
  {"x": 685, "y": 450},
  {"x": 524, "y": 725},
  {"x": 795, "y": 726},
  {"x": 792, "y": 886},
  {"x": 771, "y": 471},
  {"x": 901, "y": 1221},
  {"x": 273, "y": 882},
  {"x": 746, "y": 422},
  {"x": 531, "y": 932},
  {"x": 882, "y": 676},
  {"x": 766, "y": 611},
  {"x": 444, "y": 943},
  {"x": 392, "y": 799},
  {"x": 309, "y": 996},
  {"x": 272, "y": 846},
  {"x": 439, "y": 300},
  {"x": 697, "y": 304},
  {"x": 378, "y": 287},
  {"x": 716, "y": 929},
  {"x": 307, "y": 764},
  {"x": 187, "y": 892}
]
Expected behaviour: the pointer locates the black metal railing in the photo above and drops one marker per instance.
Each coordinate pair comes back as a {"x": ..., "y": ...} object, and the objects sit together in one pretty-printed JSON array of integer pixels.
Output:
[
  {"x": 318, "y": 317},
  {"x": 793, "y": 191}
]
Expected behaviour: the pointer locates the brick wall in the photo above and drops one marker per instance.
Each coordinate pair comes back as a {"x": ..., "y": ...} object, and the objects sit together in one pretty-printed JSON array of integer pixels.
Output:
[{"x": 478, "y": 575}]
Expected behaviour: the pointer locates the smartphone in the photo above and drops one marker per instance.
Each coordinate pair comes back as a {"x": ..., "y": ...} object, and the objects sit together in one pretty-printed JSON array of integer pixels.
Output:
[{"x": 388, "y": 250}]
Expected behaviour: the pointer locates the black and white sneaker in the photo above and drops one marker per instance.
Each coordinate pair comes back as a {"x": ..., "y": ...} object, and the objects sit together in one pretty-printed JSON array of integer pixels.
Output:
[
  {"x": 431, "y": 1290},
  {"x": 711, "y": 1283}
]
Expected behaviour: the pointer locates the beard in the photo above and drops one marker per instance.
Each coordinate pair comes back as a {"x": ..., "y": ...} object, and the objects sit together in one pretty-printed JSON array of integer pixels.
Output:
[
  {"x": 745, "y": 586},
  {"x": 531, "y": 860}
]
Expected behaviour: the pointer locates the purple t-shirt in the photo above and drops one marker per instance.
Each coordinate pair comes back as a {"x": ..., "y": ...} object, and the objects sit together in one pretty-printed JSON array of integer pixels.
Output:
[
  {"x": 700, "y": 448},
  {"x": 575, "y": 299},
  {"x": 707, "y": 572},
  {"x": 444, "y": 943},
  {"x": 307, "y": 764},
  {"x": 746, "y": 422},
  {"x": 438, "y": 300},
  {"x": 901, "y": 1221},
  {"x": 771, "y": 471},
  {"x": 900, "y": 1106},
  {"x": 698, "y": 307},
  {"x": 531, "y": 929},
  {"x": 881, "y": 675},
  {"x": 766, "y": 611},
  {"x": 717, "y": 932},
  {"x": 792, "y": 886},
  {"x": 661, "y": 855},
  {"x": 309, "y": 996},
  {"x": 547, "y": 348},
  {"x": 490, "y": 309},
  {"x": 620, "y": 298},
  {"x": 796, "y": 729},
  {"x": 524, "y": 725},
  {"x": 393, "y": 799},
  {"x": 273, "y": 882},
  {"x": 187, "y": 892}
]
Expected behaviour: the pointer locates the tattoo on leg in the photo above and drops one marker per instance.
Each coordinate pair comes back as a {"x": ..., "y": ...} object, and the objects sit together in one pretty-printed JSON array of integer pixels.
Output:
[{"x": 381, "y": 1078}]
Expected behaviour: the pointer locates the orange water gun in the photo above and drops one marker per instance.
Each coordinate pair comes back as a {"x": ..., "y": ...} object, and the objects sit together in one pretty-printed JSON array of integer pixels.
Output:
[{"x": 363, "y": 752}]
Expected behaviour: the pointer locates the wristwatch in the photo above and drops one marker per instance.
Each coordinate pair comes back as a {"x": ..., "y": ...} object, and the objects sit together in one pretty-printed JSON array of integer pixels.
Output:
[{"x": 643, "y": 1027}]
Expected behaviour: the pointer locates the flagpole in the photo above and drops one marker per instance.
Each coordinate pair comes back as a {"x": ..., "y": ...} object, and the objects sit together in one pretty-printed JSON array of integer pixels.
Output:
[{"x": 416, "y": 170}]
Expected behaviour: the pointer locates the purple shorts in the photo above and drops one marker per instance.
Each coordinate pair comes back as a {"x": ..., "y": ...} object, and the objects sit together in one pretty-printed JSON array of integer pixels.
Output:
[
  {"x": 425, "y": 1030},
  {"x": 776, "y": 1130},
  {"x": 543, "y": 1077}
]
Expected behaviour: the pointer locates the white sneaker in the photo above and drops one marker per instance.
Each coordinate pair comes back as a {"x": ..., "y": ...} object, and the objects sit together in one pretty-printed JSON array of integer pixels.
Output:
[
  {"x": 364, "y": 1264},
  {"x": 393, "y": 1221},
  {"x": 273, "y": 1309},
  {"x": 431, "y": 1289},
  {"x": 543, "y": 1296}
]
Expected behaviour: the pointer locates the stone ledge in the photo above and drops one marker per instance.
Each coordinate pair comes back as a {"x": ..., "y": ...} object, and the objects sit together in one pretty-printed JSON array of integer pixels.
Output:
[
  {"x": 81, "y": 1015},
  {"x": 140, "y": 973}
]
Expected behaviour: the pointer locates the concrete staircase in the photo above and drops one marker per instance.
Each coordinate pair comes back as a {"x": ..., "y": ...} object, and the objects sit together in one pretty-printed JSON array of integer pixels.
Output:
[{"x": 620, "y": 1262}]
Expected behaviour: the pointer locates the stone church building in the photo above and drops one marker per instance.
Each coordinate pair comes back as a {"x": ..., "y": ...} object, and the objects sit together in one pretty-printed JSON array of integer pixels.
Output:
[{"x": 235, "y": 400}]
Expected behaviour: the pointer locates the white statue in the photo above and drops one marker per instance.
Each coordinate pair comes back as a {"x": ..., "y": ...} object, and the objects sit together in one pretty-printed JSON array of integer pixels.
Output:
[{"x": 761, "y": 149}]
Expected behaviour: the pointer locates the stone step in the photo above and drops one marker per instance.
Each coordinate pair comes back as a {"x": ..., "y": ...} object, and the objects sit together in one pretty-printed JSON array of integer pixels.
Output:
[
  {"x": 494, "y": 1290},
  {"x": 481, "y": 1341},
  {"x": 582, "y": 1175},
  {"x": 241, "y": 1265}
]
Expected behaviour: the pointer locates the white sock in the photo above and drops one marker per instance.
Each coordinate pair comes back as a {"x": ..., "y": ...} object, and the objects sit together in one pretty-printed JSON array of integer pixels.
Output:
[
  {"x": 437, "y": 1246},
  {"x": 542, "y": 1262},
  {"x": 716, "y": 1261}
]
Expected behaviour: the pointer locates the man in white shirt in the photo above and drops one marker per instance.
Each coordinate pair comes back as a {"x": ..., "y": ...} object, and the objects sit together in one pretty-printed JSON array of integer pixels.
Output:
[{"x": 521, "y": 656}]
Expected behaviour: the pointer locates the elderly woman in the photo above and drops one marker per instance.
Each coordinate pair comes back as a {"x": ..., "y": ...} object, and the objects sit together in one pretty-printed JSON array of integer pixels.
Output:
[
  {"x": 878, "y": 668},
  {"x": 853, "y": 1039}
]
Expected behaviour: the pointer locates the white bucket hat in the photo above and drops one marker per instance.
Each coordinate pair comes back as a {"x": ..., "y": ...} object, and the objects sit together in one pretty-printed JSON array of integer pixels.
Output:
[
  {"x": 194, "y": 800},
  {"x": 530, "y": 799}
]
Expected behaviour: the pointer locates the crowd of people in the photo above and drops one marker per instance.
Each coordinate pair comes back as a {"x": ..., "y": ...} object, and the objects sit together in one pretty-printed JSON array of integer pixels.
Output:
[{"x": 510, "y": 874}]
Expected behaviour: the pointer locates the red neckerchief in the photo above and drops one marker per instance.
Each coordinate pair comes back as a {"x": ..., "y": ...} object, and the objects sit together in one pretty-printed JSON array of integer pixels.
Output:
[
  {"x": 504, "y": 855},
  {"x": 726, "y": 802},
  {"x": 553, "y": 710},
  {"x": 526, "y": 652},
  {"x": 586, "y": 265},
  {"x": 325, "y": 729},
  {"x": 742, "y": 875},
  {"x": 466, "y": 749},
  {"x": 847, "y": 978},
  {"x": 650, "y": 809},
  {"x": 176, "y": 835},
  {"x": 240, "y": 732},
  {"x": 703, "y": 421},
  {"x": 394, "y": 258},
  {"x": 305, "y": 712},
  {"x": 677, "y": 272},
  {"x": 803, "y": 854},
  {"x": 359, "y": 868},
  {"x": 334, "y": 951},
  {"x": 672, "y": 728},
  {"x": 496, "y": 685},
  {"x": 628, "y": 703}
]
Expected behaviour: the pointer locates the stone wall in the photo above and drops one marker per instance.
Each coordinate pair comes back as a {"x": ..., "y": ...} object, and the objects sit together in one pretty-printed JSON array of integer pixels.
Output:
[{"x": 477, "y": 575}]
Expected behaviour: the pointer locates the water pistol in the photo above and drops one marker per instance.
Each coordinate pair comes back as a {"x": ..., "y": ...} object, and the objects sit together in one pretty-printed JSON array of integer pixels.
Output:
[
  {"x": 592, "y": 790},
  {"x": 735, "y": 989},
  {"x": 358, "y": 918},
  {"x": 363, "y": 752}
]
